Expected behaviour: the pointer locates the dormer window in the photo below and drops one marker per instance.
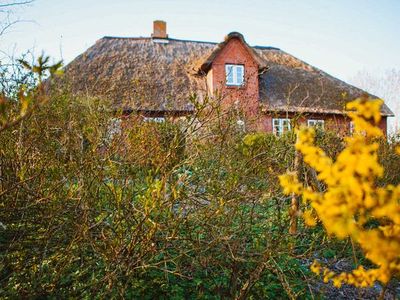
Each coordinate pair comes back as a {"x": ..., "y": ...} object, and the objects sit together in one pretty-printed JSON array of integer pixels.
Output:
[{"x": 234, "y": 75}]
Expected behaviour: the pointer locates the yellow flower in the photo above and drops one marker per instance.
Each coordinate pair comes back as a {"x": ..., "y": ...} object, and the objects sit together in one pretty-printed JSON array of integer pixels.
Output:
[
  {"x": 290, "y": 184},
  {"x": 316, "y": 267},
  {"x": 309, "y": 219},
  {"x": 351, "y": 198}
]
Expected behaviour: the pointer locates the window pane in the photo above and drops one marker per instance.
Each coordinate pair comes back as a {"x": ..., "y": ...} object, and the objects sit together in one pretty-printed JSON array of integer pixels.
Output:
[
  {"x": 154, "y": 119},
  {"x": 316, "y": 123},
  {"x": 229, "y": 74},
  {"x": 351, "y": 127},
  {"x": 277, "y": 130},
  {"x": 239, "y": 75},
  {"x": 285, "y": 125}
]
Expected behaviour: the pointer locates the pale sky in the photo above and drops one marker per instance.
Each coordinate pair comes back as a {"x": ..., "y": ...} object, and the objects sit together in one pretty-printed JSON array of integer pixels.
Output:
[{"x": 340, "y": 37}]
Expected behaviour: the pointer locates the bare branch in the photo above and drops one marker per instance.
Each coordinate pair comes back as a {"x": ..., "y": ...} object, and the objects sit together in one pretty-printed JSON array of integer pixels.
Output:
[
  {"x": 5, "y": 5},
  {"x": 7, "y": 26}
]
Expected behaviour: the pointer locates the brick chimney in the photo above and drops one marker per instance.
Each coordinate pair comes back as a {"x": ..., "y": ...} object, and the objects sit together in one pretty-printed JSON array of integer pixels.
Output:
[{"x": 159, "y": 30}]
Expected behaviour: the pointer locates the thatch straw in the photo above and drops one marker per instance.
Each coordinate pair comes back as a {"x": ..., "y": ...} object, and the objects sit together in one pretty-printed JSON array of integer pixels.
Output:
[{"x": 141, "y": 74}]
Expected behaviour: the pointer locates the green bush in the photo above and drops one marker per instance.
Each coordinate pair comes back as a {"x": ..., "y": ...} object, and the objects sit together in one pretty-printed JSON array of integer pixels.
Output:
[{"x": 156, "y": 211}]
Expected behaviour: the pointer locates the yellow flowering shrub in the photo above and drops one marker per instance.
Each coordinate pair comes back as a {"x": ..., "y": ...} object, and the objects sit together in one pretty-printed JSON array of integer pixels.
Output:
[{"x": 352, "y": 205}]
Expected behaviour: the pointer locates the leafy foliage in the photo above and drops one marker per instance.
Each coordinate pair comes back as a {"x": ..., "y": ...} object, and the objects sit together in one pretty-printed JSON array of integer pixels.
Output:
[{"x": 189, "y": 208}]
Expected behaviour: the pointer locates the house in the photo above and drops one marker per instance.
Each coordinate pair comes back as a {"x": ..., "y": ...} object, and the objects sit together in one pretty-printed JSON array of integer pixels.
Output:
[{"x": 155, "y": 77}]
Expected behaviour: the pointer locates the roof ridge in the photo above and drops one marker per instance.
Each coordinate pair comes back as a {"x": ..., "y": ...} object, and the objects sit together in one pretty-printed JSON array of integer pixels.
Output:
[
  {"x": 126, "y": 37},
  {"x": 183, "y": 40},
  {"x": 150, "y": 38},
  {"x": 265, "y": 47}
]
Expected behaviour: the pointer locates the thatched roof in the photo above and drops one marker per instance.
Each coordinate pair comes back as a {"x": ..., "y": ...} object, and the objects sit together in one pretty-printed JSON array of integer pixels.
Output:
[
  {"x": 295, "y": 86},
  {"x": 161, "y": 75},
  {"x": 138, "y": 73}
]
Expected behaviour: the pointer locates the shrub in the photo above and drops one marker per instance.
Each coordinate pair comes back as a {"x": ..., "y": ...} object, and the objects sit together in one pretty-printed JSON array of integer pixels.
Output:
[{"x": 352, "y": 204}]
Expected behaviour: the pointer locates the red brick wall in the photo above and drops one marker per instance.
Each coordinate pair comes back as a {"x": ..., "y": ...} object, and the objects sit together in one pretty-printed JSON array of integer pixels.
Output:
[
  {"x": 332, "y": 122},
  {"x": 246, "y": 96},
  {"x": 383, "y": 125},
  {"x": 338, "y": 123}
]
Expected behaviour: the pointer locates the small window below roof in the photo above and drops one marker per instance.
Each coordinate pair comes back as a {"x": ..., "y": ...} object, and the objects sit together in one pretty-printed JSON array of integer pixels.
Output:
[
  {"x": 114, "y": 128},
  {"x": 154, "y": 119},
  {"x": 234, "y": 75},
  {"x": 351, "y": 127},
  {"x": 316, "y": 123},
  {"x": 280, "y": 126}
]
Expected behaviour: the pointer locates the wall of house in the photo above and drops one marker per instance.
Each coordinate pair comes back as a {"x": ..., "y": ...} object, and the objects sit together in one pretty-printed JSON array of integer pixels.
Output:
[
  {"x": 383, "y": 125},
  {"x": 246, "y": 96},
  {"x": 334, "y": 122},
  {"x": 337, "y": 123},
  {"x": 263, "y": 121},
  {"x": 210, "y": 84},
  {"x": 143, "y": 116}
]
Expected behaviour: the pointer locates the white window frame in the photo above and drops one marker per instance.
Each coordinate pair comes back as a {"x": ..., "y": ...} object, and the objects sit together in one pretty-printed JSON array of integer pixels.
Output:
[
  {"x": 234, "y": 75},
  {"x": 279, "y": 127},
  {"x": 316, "y": 123},
  {"x": 154, "y": 119},
  {"x": 114, "y": 128},
  {"x": 351, "y": 127}
]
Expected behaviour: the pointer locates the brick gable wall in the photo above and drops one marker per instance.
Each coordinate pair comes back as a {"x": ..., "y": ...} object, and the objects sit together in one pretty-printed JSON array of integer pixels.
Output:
[{"x": 245, "y": 97}]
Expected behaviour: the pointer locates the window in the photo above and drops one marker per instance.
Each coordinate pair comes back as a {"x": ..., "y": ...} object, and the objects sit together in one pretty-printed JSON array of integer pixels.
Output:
[
  {"x": 154, "y": 119},
  {"x": 241, "y": 125},
  {"x": 316, "y": 123},
  {"x": 234, "y": 74},
  {"x": 114, "y": 128},
  {"x": 279, "y": 126},
  {"x": 351, "y": 127}
]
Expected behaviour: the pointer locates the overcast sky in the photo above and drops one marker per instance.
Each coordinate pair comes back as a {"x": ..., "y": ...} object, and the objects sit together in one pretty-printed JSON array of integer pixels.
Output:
[{"x": 340, "y": 37}]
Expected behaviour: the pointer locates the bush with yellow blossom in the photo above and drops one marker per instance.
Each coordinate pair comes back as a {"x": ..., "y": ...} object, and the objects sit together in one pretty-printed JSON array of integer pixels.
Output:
[{"x": 352, "y": 205}]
